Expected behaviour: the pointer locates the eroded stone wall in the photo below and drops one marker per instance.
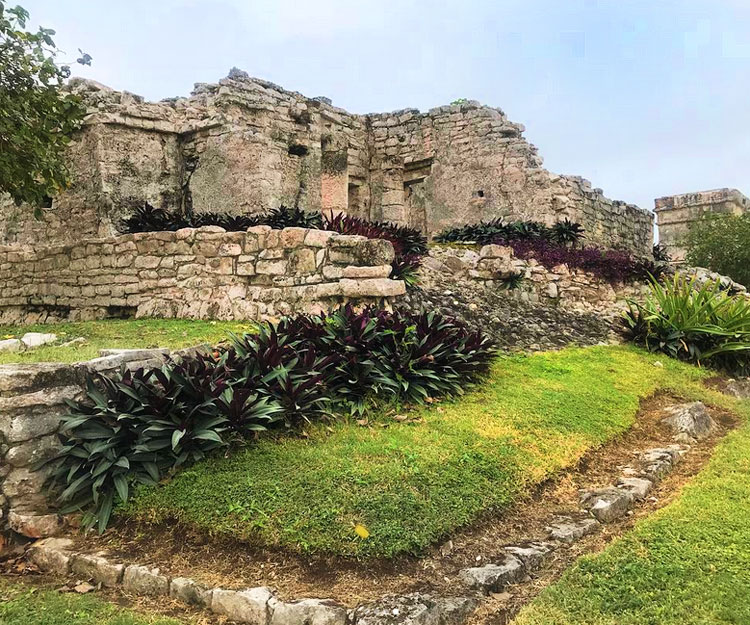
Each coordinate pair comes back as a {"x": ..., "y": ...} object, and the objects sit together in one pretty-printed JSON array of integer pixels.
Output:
[
  {"x": 675, "y": 214},
  {"x": 246, "y": 145},
  {"x": 32, "y": 403},
  {"x": 203, "y": 273}
]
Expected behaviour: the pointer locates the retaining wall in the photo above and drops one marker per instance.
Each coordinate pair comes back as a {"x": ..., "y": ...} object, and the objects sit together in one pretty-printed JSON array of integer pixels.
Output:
[
  {"x": 203, "y": 273},
  {"x": 32, "y": 401}
]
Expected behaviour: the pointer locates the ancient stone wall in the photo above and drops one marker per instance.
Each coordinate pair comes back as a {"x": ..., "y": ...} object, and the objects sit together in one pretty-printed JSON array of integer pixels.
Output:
[
  {"x": 203, "y": 273},
  {"x": 246, "y": 145},
  {"x": 496, "y": 267},
  {"x": 32, "y": 402},
  {"x": 466, "y": 162},
  {"x": 675, "y": 213}
]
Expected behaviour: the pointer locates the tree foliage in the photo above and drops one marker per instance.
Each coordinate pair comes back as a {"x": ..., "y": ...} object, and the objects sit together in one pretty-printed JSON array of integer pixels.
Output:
[
  {"x": 721, "y": 243},
  {"x": 36, "y": 117}
]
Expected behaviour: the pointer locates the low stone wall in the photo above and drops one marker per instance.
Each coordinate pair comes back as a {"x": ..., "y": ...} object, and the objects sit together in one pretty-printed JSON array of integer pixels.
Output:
[
  {"x": 203, "y": 273},
  {"x": 32, "y": 401},
  {"x": 495, "y": 265}
]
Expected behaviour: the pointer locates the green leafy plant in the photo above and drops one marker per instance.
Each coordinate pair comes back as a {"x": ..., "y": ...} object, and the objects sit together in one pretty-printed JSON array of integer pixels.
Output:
[
  {"x": 142, "y": 425},
  {"x": 563, "y": 232},
  {"x": 721, "y": 243},
  {"x": 38, "y": 118},
  {"x": 700, "y": 324}
]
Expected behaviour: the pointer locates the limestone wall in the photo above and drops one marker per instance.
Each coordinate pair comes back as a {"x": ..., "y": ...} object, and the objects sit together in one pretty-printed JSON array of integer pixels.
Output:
[
  {"x": 203, "y": 273},
  {"x": 675, "y": 213},
  {"x": 32, "y": 401},
  {"x": 494, "y": 265},
  {"x": 245, "y": 145},
  {"x": 466, "y": 162}
]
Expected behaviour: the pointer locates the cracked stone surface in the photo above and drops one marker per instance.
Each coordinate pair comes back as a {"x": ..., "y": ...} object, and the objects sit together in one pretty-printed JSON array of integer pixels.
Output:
[
  {"x": 531, "y": 556},
  {"x": 309, "y": 612},
  {"x": 568, "y": 530},
  {"x": 415, "y": 609},
  {"x": 607, "y": 504},
  {"x": 186, "y": 590},
  {"x": 244, "y": 606},
  {"x": 691, "y": 420},
  {"x": 145, "y": 581},
  {"x": 52, "y": 554},
  {"x": 97, "y": 568},
  {"x": 493, "y": 577},
  {"x": 638, "y": 487}
]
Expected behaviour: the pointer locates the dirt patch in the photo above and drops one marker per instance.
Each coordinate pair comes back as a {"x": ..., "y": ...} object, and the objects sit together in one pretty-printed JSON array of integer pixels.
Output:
[{"x": 232, "y": 564}]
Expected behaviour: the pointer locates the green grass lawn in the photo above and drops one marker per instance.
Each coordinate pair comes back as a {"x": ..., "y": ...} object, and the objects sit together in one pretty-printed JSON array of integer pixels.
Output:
[
  {"x": 688, "y": 564},
  {"x": 115, "y": 333},
  {"x": 24, "y": 604},
  {"x": 410, "y": 484}
]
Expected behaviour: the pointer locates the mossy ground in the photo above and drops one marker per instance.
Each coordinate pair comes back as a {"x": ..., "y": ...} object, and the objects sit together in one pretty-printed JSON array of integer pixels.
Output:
[
  {"x": 115, "y": 333},
  {"x": 411, "y": 483},
  {"x": 687, "y": 564}
]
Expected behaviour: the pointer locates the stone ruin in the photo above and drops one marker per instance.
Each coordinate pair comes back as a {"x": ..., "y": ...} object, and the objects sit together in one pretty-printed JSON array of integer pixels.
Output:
[
  {"x": 675, "y": 213},
  {"x": 245, "y": 145}
]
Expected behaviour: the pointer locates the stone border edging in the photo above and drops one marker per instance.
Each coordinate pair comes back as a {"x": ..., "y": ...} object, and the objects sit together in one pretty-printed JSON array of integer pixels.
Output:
[{"x": 261, "y": 606}]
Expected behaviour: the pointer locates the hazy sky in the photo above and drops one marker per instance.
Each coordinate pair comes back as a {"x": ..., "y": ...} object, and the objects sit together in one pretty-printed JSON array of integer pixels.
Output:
[{"x": 642, "y": 97}]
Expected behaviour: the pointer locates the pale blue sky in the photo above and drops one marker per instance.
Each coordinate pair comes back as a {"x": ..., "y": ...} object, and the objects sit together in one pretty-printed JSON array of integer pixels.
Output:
[{"x": 642, "y": 97}]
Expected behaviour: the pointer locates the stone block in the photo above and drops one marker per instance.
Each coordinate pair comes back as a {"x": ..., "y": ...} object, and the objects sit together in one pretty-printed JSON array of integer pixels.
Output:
[
  {"x": 12, "y": 345},
  {"x": 244, "y": 606},
  {"x": 532, "y": 556},
  {"x": 33, "y": 525},
  {"x": 493, "y": 577},
  {"x": 356, "y": 271},
  {"x": 290, "y": 238},
  {"x": 271, "y": 267},
  {"x": 690, "y": 419},
  {"x": 569, "y": 531},
  {"x": 636, "y": 486},
  {"x": 375, "y": 287},
  {"x": 302, "y": 261},
  {"x": 308, "y": 612},
  {"x": 318, "y": 238},
  {"x": 142, "y": 580},
  {"x": 607, "y": 504},
  {"x": 33, "y": 451},
  {"x": 52, "y": 555},
  {"x": 97, "y": 568},
  {"x": 186, "y": 590}
]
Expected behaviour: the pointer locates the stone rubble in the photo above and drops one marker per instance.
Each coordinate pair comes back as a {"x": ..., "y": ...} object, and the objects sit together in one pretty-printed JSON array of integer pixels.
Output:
[
  {"x": 689, "y": 422},
  {"x": 30, "y": 340}
]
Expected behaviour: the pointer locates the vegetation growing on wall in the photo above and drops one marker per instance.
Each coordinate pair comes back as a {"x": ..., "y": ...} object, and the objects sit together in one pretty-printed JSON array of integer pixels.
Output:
[
  {"x": 143, "y": 424},
  {"x": 721, "y": 243},
  {"x": 699, "y": 324},
  {"x": 564, "y": 232},
  {"x": 409, "y": 244}
]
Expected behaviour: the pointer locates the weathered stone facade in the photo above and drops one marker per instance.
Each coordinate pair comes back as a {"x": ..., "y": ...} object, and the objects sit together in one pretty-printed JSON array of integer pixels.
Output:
[
  {"x": 203, "y": 273},
  {"x": 246, "y": 145},
  {"x": 675, "y": 213}
]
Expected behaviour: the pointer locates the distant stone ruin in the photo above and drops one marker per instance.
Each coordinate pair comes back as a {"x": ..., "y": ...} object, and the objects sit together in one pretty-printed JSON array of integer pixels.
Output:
[
  {"x": 246, "y": 145},
  {"x": 675, "y": 213}
]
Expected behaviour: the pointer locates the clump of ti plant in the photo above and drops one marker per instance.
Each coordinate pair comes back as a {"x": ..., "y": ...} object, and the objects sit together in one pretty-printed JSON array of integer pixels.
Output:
[{"x": 142, "y": 425}]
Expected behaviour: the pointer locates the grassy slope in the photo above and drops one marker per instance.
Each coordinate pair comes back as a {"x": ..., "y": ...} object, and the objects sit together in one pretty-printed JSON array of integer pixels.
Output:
[
  {"x": 22, "y": 604},
  {"x": 113, "y": 333},
  {"x": 688, "y": 564},
  {"x": 411, "y": 484}
]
